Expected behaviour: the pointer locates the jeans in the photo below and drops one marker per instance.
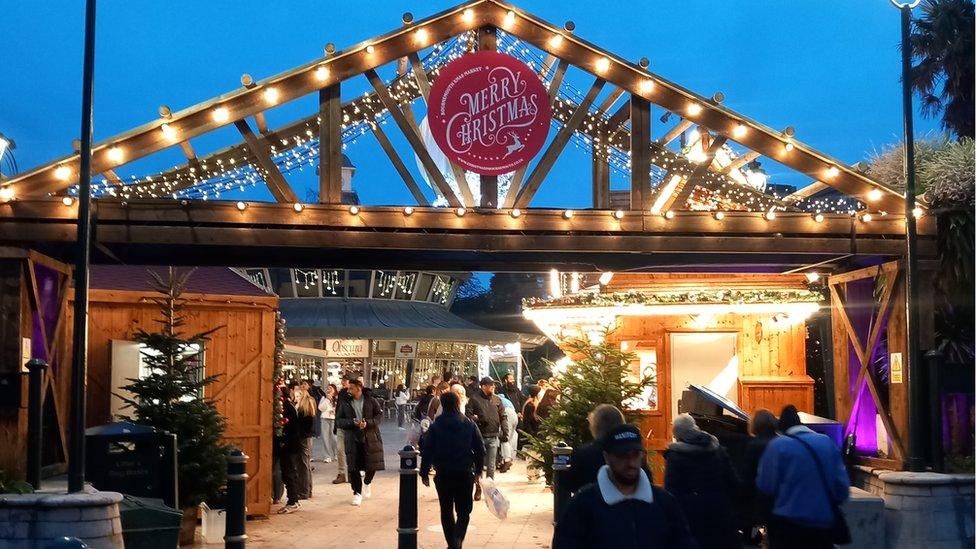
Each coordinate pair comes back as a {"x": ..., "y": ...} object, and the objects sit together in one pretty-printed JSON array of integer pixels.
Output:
[
  {"x": 510, "y": 447},
  {"x": 356, "y": 480},
  {"x": 277, "y": 483},
  {"x": 289, "y": 473},
  {"x": 491, "y": 455},
  {"x": 303, "y": 463},
  {"x": 328, "y": 438},
  {"x": 454, "y": 495},
  {"x": 785, "y": 534},
  {"x": 401, "y": 414}
]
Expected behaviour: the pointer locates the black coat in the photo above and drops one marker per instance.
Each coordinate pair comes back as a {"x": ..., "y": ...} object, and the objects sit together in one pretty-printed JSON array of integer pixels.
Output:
[
  {"x": 453, "y": 444},
  {"x": 755, "y": 505},
  {"x": 702, "y": 479},
  {"x": 487, "y": 412},
  {"x": 290, "y": 439},
  {"x": 364, "y": 447},
  {"x": 530, "y": 421},
  {"x": 514, "y": 395},
  {"x": 587, "y": 522}
]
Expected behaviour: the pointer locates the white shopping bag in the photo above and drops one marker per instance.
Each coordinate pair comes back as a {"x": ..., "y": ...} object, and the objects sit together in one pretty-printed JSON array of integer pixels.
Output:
[{"x": 496, "y": 501}]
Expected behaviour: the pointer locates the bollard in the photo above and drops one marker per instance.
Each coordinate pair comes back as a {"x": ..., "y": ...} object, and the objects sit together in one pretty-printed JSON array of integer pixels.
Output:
[
  {"x": 560, "y": 470},
  {"x": 407, "y": 526},
  {"x": 234, "y": 536},
  {"x": 35, "y": 420}
]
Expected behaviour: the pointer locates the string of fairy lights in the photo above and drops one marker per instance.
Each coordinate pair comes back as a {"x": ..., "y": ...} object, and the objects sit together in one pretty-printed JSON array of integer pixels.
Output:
[{"x": 298, "y": 149}]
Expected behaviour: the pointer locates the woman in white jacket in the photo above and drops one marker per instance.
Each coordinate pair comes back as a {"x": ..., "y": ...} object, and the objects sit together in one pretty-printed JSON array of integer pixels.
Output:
[{"x": 327, "y": 405}]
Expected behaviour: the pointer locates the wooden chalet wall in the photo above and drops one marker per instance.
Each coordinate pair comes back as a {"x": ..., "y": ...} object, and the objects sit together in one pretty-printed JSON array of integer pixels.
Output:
[
  {"x": 772, "y": 355},
  {"x": 241, "y": 353},
  {"x": 33, "y": 291},
  {"x": 868, "y": 322}
]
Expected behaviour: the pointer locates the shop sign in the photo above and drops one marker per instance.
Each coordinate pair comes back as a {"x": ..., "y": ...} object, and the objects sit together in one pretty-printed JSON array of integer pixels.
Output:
[
  {"x": 347, "y": 348},
  {"x": 406, "y": 349},
  {"x": 489, "y": 112}
]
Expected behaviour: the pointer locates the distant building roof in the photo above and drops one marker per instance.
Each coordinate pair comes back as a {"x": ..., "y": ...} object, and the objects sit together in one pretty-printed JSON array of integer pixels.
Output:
[
  {"x": 204, "y": 280},
  {"x": 346, "y": 162},
  {"x": 381, "y": 319}
]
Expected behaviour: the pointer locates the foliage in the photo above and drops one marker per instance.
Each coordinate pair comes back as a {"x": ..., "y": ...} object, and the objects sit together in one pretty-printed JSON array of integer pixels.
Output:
[
  {"x": 471, "y": 288},
  {"x": 635, "y": 297},
  {"x": 600, "y": 374},
  {"x": 278, "y": 418},
  {"x": 170, "y": 397},
  {"x": 13, "y": 486},
  {"x": 946, "y": 172},
  {"x": 942, "y": 46}
]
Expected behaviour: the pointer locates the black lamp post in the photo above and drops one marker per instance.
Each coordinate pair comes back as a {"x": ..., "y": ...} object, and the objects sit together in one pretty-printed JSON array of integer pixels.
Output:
[
  {"x": 79, "y": 355},
  {"x": 916, "y": 446}
]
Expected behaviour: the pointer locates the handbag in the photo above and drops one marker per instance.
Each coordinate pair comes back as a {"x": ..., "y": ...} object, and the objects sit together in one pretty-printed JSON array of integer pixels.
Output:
[{"x": 840, "y": 533}]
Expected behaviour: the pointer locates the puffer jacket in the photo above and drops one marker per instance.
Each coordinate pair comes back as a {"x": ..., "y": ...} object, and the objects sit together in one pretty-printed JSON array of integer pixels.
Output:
[{"x": 701, "y": 477}]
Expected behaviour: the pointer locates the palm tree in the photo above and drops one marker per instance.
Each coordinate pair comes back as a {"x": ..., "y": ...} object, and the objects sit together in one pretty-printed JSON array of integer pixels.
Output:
[{"x": 942, "y": 44}]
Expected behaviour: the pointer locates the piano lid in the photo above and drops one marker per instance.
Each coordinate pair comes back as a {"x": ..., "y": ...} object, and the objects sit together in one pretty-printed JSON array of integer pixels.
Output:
[{"x": 720, "y": 400}]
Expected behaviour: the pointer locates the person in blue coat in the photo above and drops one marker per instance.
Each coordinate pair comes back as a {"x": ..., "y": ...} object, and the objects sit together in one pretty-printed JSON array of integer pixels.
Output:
[
  {"x": 803, "y": 472},
  {"x": 622, "y": 509}
]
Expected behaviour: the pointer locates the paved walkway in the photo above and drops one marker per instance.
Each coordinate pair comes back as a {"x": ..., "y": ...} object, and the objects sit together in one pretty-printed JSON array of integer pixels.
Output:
[{"x": 328, "y": 520}]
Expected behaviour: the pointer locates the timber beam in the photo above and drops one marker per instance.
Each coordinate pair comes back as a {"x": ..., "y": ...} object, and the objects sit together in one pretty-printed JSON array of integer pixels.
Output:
[{"x": 277, "y": 185}]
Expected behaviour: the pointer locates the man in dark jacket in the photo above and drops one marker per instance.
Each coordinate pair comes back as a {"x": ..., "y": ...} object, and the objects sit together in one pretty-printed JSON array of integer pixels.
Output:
[
  {"x": 488, "y": 413},
  {"x": 359, "y": 418},
  {"x": 511, "y": 390},
  {"x": 454, "y": 447},
  {"x": 622, "y": 510}
]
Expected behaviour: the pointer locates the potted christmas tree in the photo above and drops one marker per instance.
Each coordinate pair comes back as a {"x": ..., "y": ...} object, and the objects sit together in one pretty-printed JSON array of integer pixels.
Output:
[
  {"x": 170, "y": 397},
  {"x": 599, "y": 373}
]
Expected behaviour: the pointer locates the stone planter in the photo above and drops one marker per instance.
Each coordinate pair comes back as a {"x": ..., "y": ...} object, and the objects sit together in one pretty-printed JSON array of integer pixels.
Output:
[
  {"x": 931, "y": 510},
  {"x": 31, "y": 520}
]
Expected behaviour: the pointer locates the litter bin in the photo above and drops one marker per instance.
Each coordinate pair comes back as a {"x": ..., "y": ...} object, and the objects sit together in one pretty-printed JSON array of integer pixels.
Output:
[
  {"x": 148, "y": 523},
  {"x": 133, "y": 459}
]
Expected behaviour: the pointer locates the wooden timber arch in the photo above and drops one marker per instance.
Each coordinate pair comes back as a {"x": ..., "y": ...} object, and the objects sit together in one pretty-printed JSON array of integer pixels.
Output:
[{"x": 659, "y": 213}]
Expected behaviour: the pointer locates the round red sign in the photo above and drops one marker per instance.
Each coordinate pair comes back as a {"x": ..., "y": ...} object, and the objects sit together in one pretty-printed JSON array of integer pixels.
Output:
[{"x": 489, "y": 112}]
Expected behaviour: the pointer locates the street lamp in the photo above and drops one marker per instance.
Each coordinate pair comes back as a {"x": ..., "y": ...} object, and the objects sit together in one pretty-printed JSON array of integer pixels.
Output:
[{"x": 915, "y": 461}]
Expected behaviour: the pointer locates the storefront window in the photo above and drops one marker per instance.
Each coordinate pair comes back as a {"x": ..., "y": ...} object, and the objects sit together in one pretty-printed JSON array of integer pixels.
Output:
[
  {"x": 442, "y": 290},
  {"x": 643, "y": 365},
  {"x": 306, "y": 282},
  {"x": 358, "y": 284},
  {"x": 282, "y": 283},
  {"x": 405, "y": 284},
  {"x": 384, "y": 284},
  {"x": 424, "y": 284},
  {"x": 333, "y": 282}
]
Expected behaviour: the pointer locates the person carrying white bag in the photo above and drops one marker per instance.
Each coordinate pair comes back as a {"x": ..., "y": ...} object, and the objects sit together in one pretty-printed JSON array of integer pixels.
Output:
[{"x": 453, "y": 447}]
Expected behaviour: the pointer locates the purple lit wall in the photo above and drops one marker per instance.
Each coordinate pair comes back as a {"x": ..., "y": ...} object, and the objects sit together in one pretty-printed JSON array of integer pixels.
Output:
[
  {"x": 860, "y": 309},
  {"x": 49, "y": 290}
]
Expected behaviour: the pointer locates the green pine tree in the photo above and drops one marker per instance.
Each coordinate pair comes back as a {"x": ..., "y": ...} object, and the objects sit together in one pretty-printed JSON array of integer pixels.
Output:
[
  {"x": 170, "y": 396},
  {"x": 600, "y": 374}
]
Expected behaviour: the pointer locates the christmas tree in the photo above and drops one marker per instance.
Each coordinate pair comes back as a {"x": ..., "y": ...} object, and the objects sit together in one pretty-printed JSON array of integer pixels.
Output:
[
  {"x": 170, "y": 396},
  {"x": 600, "y": 373}
]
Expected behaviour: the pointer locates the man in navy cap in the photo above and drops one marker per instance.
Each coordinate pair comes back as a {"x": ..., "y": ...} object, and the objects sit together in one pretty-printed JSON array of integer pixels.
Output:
[{"x": 622, "y": 509}]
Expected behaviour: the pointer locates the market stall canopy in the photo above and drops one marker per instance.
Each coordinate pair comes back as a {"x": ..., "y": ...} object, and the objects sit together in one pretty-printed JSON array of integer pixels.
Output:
[{"x": 377, "y": 319}]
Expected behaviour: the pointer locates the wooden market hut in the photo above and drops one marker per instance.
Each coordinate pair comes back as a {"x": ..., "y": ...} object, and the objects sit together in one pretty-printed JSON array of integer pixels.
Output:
[
  {"x": 36, "y": 322},
  {"x": 240, "y": 352},
  {"x": 741, "y": 335}
]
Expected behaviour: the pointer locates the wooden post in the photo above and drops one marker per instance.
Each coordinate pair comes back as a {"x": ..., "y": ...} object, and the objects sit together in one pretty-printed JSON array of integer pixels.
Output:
[
  {"x": 488, "y": 40},
  {"x": 279, "y": 187},
  {"x": 640, "y": 153},
  {"x": 330, "y": 145},
  {"x": 601, "y": 174}
]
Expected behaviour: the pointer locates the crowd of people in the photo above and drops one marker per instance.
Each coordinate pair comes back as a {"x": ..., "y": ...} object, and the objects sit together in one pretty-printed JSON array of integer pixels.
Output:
[
  {"x": 790, "y": 485},
  {"x": 785, "y": 489}
]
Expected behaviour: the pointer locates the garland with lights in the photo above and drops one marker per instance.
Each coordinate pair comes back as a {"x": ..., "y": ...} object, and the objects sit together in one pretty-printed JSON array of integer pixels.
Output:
[
  {"x": 715, "y": 297},
  {"x": 278, "y": 377}
]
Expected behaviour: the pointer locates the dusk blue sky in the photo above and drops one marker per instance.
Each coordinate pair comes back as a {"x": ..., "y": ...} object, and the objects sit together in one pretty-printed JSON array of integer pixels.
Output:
[{"x": 830, "y": 69}]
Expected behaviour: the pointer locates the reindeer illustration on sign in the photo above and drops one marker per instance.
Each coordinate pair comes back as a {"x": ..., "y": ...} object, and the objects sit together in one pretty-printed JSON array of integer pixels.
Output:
[{"x": 515, "y": 146}]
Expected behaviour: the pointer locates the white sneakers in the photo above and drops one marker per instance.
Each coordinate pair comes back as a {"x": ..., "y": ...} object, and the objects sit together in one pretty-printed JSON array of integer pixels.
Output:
[
  {"x": 367, "y": 491},
  {"x": 357, "y": 500},
  {"x": 291, "y": 508}
]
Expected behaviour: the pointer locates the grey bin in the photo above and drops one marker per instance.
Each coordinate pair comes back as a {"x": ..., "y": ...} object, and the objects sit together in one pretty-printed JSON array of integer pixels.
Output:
[
  {"x": 137, "y": 460},
  {"x": 148, "y": 523}
]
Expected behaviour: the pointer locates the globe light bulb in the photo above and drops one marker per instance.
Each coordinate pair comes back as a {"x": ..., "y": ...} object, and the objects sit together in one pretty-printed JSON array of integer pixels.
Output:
[
  {"x": 322, "y": 73},
  {"x": 115, "y": 154},
  {"x": 221, "y": 114},
  {"x": 740, "y": 131},
  {"x": 242, "y": 206},
  {"x": 271, "y": 95},
  {"x": 62, "y": 173}
]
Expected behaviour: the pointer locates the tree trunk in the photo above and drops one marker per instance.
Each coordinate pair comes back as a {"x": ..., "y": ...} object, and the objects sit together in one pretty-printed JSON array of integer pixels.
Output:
[{"x": 188, "y": 526}]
